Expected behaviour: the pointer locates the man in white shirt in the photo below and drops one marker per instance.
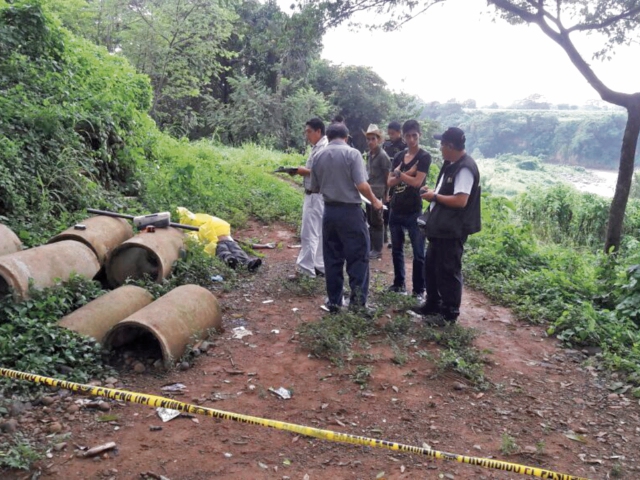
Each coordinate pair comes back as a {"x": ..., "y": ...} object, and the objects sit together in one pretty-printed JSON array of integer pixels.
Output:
[
  {"x": 310, "y": 259},
  {"x": 454, "y": 214}
]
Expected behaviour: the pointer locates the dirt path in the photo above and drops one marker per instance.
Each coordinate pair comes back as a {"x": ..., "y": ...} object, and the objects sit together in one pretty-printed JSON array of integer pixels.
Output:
[{"x": 548, "y": 400}]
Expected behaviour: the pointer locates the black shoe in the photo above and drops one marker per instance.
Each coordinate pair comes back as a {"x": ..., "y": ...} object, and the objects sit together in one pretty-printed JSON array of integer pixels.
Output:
[
  {"x": 389, "y": 245},
  {"x": 426, "y": 310},
  {"x": 253, "y": 265},
  {"x": 319, "y": 273},
  {"x": 436, "y": 321},
  {"x": 363, "y": 311},
  {"x": 232, "y": 262},
  {"x": 397, "y": 289}
]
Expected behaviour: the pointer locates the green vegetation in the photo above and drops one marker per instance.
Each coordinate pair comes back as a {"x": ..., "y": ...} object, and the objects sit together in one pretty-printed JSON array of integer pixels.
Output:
[
  {"x": 18, "y": 452},
  {"x": 31, "y": 341},
  {"x": 508, "y": 444}
]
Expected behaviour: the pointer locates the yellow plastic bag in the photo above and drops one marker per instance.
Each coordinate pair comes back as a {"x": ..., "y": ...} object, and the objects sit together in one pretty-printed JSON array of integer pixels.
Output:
[{"x": 210, "y": 228}]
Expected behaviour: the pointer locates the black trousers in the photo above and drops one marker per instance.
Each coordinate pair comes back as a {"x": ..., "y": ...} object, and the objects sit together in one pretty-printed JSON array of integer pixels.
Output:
[
  {"x": 345, "y": 238},
  {"x": 232, "y": 254},
  {"x": 443, "y": 276}
]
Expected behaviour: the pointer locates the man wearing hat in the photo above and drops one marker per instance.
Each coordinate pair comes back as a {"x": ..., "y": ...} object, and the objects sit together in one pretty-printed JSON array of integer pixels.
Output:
[
  {"x": 453, "y": 215},
  {"x": 378, "y": 166}
]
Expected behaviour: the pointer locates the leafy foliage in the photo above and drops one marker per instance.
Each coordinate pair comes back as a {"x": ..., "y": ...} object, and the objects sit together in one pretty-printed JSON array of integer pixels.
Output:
[{"x": 31, "y": 340}]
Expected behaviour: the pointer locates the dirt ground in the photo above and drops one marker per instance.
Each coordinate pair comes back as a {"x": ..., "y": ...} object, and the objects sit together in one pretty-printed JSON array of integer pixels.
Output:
[{"x": 562, "y": 413}]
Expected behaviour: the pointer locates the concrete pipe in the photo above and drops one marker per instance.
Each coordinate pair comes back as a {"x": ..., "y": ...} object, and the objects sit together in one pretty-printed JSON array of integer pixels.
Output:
[
  {"x": 184, "y": 315},
  {"x": 45, "y": 265},
  {"x": 150, "y": 253},
  {"x": 101, "y": 234},
  {"x": 9, "y": 241},
  {"x": 96, "y": 318}
]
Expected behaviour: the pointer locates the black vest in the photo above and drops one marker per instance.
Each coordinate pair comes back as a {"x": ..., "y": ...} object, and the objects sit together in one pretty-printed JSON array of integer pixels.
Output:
[{"x": 446, "y": 222}]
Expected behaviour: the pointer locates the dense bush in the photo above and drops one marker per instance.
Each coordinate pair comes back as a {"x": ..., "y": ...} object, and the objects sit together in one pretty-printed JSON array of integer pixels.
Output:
[
  {"x": 588, "y": 298},
  {"x": 73, "y": 122}
]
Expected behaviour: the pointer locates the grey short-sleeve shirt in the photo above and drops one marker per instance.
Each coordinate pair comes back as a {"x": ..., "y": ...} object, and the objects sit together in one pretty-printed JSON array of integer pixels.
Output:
[
  {"x": 335, "y": 172},
  {"x": 323, "y": 142}
]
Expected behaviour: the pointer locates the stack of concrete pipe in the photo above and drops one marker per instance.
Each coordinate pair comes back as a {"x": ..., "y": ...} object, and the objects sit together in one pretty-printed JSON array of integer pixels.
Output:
[
  {"x": 84, "y": 249},
  {"x": 9, "y": 241},
  {"x": 120, "y": 317}
]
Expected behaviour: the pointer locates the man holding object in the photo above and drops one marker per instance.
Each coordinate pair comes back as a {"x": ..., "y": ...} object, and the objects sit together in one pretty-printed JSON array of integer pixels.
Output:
[{"x": 453, "y": 215}]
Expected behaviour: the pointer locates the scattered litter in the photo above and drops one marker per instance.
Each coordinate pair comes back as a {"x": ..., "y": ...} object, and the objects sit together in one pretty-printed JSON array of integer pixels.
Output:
[
  {"x": 155, "y": 476},
  {"x": 155, "y": 428},
  {"x": 275, "y": 331},
  {"x": 269, "y": 246},
  {"x": 228, "y": 455},
  {"x": 573, "y": 436},
  {"x": 325, "y": 308},
  {"x": 294, "y": 246},
  {"x": 217, "y": 278},
  {"x": 92, "y": 452},
  {"x": 263, "y": 466},
  {"x": 174, "y": 387},
  {"x": 241, "y": 332},
  {"x": 268, "y": 301},
  {"x": 281, "y": 392},
  {"x": 295, "y": 309},
  {"x": 167, "y": 414}
]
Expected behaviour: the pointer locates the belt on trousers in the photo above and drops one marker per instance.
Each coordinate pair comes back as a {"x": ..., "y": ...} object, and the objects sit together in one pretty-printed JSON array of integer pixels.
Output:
[
  {"x": 307, "y": 191},
  {"x": 341, "y": 204}
]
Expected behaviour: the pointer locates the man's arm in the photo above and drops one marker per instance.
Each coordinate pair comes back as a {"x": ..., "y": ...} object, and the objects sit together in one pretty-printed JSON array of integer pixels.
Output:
[
  {"x": 303, "y": 171},
  {"x": 365, "y": 189},
  {"x": 458, "y": 200}
]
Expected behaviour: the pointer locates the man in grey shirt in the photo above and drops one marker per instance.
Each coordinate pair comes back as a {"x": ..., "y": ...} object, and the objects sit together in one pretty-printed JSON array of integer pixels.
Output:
[
  {"x": 338, "y": 174},
  {"x": 310, "y": 260}
]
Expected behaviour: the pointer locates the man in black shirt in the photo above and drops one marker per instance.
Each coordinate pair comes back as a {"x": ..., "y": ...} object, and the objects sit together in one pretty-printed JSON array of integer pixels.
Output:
[
  {"x": 409, "y": 171},
  {"x": 393, "y": 146}
]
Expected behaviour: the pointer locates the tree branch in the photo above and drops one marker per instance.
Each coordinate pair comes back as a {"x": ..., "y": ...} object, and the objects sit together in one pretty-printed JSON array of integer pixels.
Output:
[
  {"x": 606, "y": 23},
  {"x": 563, "y": 40}
]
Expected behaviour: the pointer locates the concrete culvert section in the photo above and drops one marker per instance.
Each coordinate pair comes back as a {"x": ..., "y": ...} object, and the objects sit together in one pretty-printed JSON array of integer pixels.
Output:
[
  {"x": 148, "y": 253},
  {"x": 96, "y": 318},
  {"x": 9, "y": 241},
  {"x": 184, "y": 315},
  {"x": 45, "y": 265},
  {"x": 101, "y": 233}
]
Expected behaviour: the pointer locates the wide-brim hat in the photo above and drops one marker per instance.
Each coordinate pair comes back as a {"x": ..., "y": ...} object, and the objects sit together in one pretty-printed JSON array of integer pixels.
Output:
[{"x": 373, "y": 129}]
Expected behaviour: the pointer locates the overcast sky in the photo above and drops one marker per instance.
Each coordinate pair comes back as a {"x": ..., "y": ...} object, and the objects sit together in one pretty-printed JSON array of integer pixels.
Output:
[{"x": 457, "y": 51}]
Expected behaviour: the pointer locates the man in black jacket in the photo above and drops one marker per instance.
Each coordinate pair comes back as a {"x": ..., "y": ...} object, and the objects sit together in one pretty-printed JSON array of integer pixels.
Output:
[{"x": 453, "y": 215}]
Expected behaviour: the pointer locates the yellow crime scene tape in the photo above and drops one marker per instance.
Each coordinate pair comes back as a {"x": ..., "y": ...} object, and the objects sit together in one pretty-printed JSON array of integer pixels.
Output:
[{"x": 155, "y": 401}]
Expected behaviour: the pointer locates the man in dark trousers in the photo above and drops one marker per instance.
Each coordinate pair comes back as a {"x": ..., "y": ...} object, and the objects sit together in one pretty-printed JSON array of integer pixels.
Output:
[
  {"x": 338, "y": 173},
  {"x": 394, "y": 145},
  {"x": 454, "y": 214},
  {"x": 409, "y": 172}
]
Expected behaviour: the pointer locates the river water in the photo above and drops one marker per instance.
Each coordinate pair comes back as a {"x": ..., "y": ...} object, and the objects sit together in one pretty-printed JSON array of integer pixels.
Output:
[{"x": 602, "y": 182}]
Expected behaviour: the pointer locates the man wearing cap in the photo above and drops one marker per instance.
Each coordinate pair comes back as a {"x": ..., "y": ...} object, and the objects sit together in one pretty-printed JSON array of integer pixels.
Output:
[
  {"x": 409, "y": 172},
  {"x": 394, "y": 145},
  {"x": 378, "y": 166},
  {"x": 310, "y": 259},
  {"x": 338, "y": 173},
  {"x": 453, "y": 215}
]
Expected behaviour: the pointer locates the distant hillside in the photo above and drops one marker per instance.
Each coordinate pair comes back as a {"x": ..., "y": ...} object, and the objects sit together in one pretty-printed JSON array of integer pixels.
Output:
[{"x": 589, "y": 138}]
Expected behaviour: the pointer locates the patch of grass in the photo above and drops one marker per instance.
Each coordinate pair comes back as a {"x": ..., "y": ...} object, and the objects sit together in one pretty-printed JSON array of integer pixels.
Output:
[
  {"x": 361, "y": 375},
  {"x": 18, "y": 453},
  {"x": 508, "y": 444},
  {"x": 400, "y": 356},
  {"x": 304, "y": 286},
  {"x": 459, "y": 354},
  {"x": 332, "y": 336}
]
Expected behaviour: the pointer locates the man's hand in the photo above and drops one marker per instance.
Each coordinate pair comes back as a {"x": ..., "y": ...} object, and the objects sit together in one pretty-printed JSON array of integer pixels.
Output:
[
  {"x": 427, "y": 194},
  {"x": 412, "y": 171},
  {"x": 377, "y": 205},
  {"x": 293, "y": 172}
]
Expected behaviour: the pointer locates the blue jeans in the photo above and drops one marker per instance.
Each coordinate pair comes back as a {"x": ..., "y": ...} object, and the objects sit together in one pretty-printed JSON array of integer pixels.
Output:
[
  {"x": 398, "y": 223},
  {"x": 345, "y": 238}
]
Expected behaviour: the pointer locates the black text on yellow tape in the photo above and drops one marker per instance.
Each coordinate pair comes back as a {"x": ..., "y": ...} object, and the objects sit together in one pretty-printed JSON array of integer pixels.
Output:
[{"x": 154, "y": 401}]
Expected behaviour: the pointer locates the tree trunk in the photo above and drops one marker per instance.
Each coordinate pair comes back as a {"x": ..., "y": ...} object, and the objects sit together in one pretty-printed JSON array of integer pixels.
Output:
[{"x": 625, "y": 177}]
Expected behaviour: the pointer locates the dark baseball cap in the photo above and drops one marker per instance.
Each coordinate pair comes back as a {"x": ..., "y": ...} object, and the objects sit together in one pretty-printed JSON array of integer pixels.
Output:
[{"x": 452, "y": 135}]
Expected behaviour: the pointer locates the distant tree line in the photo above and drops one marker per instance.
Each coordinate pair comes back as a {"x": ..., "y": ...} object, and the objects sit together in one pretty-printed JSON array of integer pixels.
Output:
[{"x": 586, "y": 138}]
